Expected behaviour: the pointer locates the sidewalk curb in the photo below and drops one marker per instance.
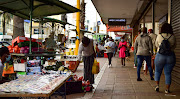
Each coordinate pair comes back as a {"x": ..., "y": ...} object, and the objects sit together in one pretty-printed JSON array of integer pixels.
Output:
[{"x": 89, "y": 95}]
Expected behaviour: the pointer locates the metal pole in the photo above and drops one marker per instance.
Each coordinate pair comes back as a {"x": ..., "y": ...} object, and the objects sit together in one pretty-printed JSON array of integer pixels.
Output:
[
  {"x": 31, "y": 14},
  {"x": 78, "y": 27},
  {"x": 153, "y": 16},
  {"x": 144, "y": 25},
  {"x": 39, "y": 32},
  {"x": 169, "y": 11},
  {"x": 41, "y": 29}
]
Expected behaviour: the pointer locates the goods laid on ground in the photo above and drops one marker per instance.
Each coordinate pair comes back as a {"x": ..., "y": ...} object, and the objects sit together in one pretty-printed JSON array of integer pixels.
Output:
[{"x": 35, "y": 84}]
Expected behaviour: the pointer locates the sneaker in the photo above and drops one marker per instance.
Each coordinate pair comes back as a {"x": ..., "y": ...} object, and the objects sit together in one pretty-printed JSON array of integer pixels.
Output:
[
  {"x": 152, "y": 78},
  {"x": 167, "y": 91},
  {"x": 139, "y": 79},
  {"x": 157, "y": 88},
  {"x": 109, "y": 66},
  {"x": 135, "y": 67}
]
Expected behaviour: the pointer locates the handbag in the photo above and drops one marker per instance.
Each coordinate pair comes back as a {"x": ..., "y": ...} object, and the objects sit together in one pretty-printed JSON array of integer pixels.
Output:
[{"x": 95, "y": 67}]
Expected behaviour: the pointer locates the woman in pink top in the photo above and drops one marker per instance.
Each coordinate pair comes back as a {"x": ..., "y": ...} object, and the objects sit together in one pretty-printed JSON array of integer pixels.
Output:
[{"x": 122, "y": 46}]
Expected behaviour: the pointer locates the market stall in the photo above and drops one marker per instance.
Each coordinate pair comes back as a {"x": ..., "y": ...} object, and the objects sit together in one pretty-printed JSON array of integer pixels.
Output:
[{"x": 43, "y": 82}]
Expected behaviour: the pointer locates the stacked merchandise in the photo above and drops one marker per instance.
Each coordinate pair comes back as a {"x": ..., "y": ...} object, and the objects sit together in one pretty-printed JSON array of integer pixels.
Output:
[
  {"x": 55, "y": 66},
  {"x": 35, "y": 84},
  {"x": 33, "y": 67},
  {"x": 21, "y": 45}
]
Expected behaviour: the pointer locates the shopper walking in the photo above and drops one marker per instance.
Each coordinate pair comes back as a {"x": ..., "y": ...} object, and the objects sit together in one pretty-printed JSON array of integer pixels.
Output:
[
  {"x": 127, "y": 50},
  {"x": 122, "y": 46},
  {"x": 116, "y": 47},
  {"x": 153, "y": 37},
  {"x": 135, "y": 56},
  {"x": 165, "y": 58},
  {"x": 86, "y": 47},
  {"x": 144, "y": 50},
  {"x": 110, "y": 46}
]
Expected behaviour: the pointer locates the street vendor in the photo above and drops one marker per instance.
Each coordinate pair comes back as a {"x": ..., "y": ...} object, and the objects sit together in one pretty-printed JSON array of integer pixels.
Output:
[
  {"x": 4, "y": 56},
  {"x": 87, "y": 48}
]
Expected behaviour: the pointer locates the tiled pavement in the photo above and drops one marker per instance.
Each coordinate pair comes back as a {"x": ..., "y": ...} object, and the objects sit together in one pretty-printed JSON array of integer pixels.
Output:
[{"x": 121, "y": 83}]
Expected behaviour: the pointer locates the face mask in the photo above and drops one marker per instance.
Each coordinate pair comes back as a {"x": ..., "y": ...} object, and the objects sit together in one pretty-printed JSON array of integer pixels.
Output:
[
  {"x": 8, "y": 58},
  {"x": 122, "y": 40}
]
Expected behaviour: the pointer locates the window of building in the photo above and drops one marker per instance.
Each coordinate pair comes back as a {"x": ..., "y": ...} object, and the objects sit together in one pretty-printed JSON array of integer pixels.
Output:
[{"x": 36, "y": 31}]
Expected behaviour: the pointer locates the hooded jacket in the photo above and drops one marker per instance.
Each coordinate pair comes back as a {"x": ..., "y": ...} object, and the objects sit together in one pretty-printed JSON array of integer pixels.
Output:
[{"x": 143, "y": 45}]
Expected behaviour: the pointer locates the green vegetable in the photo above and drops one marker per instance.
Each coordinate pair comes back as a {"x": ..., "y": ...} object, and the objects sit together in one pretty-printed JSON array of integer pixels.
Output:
[
  {"x": 58, "y": 64},
  {"x": 49, "y": 68}
]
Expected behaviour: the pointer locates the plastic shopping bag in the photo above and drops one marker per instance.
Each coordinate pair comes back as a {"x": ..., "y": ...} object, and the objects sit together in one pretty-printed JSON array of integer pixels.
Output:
[{"x": 95, "y": 68}]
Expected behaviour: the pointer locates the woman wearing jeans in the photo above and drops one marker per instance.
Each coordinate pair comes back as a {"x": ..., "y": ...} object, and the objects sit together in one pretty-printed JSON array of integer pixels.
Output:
[{"x": 165, "y": 61}]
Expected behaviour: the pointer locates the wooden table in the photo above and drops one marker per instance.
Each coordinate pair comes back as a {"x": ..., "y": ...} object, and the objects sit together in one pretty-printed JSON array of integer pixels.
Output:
[{"x": 3, "y": 94}]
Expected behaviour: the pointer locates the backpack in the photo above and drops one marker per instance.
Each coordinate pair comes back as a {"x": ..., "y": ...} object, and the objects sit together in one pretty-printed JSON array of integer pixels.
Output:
[{"x": 165, "y": 48}]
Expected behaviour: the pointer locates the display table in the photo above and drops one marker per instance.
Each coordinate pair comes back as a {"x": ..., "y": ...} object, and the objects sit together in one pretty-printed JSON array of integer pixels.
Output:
[{"x": 34, "y": 85}]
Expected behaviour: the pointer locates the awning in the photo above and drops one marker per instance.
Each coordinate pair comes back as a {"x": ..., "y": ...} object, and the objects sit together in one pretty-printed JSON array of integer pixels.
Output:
[
  {"x": 41, "y": 8},
  {"x": 47, "y": 19}
]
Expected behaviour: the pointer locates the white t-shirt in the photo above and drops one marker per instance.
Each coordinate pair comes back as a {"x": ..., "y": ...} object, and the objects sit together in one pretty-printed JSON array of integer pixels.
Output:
[
  {"x": 110, "y": 44},
  {"x": 85, "y": 51}
]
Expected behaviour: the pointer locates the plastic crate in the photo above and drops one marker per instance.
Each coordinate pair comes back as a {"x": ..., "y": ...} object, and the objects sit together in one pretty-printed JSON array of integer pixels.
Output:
[{"x": 105, "y": 55}]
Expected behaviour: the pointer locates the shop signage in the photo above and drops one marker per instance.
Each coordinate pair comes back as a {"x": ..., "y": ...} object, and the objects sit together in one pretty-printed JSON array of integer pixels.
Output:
[
  {"x": 116, "y": 22},
  {"x": 118, "y": 28}
]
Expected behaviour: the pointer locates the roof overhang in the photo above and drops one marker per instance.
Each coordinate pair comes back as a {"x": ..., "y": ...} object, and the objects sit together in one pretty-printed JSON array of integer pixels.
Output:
[
  {"x": 41, "y": 8},
  {"x": 116, "y": 9}
]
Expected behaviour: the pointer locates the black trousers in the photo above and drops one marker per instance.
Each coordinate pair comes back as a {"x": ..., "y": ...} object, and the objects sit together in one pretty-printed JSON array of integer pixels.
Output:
[
  {"x": 88, "y": 63},
  {"x": 110, "y": 55}
]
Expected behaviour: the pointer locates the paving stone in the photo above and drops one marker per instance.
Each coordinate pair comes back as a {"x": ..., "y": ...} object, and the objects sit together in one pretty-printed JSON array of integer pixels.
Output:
[
  {"x": 123, "y": 97},
  {"x": 147, "y": 97}
]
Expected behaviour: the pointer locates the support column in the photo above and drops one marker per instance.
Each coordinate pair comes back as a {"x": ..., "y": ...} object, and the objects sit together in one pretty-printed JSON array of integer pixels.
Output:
[
  {"x": 169, "y": 11},
  {"x": 144, "y": 22},
  {"x": 31, "y": 14},
  {"x": 77, "y": 27},
  {"x": 153, "y": 16}
]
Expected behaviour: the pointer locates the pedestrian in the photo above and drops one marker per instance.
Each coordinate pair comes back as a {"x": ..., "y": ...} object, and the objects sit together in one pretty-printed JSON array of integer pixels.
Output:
[
  {"x": 4, "y": 56},
  {"x": 153, "y": 37},
  {"x": 122, "y": 46},
  {"x": 165, "y": 57},
  {"x": 116, "y": 47},
  {"x": 135, "y": 56},
  {"x": 110, "y": 46},
  {"x": 87, "y": 48},
  {"x": 97, "y": 50},
  {"x": 144, "y": 50},
  {"x": 127, "y": 51}
]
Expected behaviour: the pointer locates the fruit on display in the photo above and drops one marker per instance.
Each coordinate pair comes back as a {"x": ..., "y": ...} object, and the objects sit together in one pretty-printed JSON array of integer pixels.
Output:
[
  {"x": 66, "y": 70},
  {"x": 87, "y": 82},
  {"x": 80, "y": 78},
  {"x": 88, "y": 88}
]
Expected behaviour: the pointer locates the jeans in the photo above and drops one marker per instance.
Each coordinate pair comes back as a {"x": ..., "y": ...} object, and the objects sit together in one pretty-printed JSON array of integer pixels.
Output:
[
  {"x": 135, "y": 59},
  {"x": 166, "y": 62},
  {"x": 110, "y": 55},
  {"x": 140, "y": 59}
]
